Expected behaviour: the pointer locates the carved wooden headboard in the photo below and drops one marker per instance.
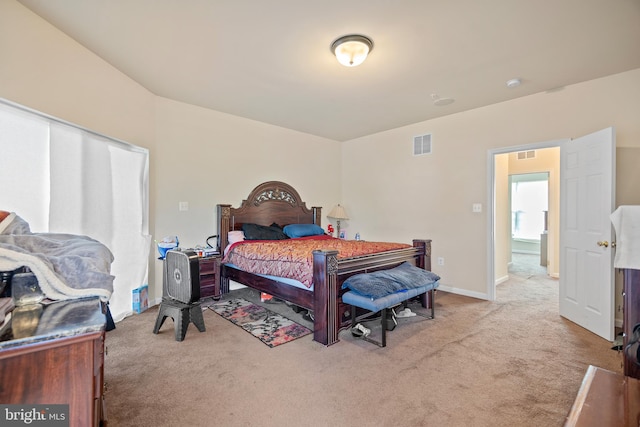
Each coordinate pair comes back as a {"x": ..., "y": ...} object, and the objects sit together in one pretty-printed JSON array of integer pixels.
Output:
[{"x": 269, "y": 202}]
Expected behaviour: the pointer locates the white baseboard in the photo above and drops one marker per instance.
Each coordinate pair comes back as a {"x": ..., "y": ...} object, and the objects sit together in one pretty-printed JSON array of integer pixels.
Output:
[
  {"x": 502, "y": 279},
  {"x": 464, "y": 292}
]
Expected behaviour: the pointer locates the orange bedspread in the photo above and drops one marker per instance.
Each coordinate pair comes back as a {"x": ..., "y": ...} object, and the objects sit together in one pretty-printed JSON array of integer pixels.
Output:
[{"x": 293, "y": 258}]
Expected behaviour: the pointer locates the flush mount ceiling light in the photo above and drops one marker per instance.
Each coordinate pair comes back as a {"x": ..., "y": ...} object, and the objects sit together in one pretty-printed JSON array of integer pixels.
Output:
[{"x": 352, "y": 50}]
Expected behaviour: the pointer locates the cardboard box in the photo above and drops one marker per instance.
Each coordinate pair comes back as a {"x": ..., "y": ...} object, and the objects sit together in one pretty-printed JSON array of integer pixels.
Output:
[{"x": 141, "y": 299}]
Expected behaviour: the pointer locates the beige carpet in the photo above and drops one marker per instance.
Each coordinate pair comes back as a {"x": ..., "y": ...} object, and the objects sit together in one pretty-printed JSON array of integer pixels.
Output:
[{"x": 513, "y": 362}]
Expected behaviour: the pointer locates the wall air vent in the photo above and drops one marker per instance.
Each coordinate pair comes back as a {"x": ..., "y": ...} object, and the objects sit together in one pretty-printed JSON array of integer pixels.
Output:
[
  {"x": 522, "y": 155},
  {"x": 422, "y": 144}
]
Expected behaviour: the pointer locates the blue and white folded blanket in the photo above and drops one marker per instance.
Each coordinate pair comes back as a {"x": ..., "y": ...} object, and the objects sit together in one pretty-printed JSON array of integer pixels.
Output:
[
  {"x": 379, "y": 284},
  {"x": 67, "y": 266}
]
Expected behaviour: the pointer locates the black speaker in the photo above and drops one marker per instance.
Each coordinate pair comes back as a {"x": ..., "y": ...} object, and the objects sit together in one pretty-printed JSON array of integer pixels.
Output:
[{"x": 181, "y": 278}]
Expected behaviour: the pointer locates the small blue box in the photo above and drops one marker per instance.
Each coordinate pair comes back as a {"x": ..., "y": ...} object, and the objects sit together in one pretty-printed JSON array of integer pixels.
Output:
[{"x": 141, "y": 299}]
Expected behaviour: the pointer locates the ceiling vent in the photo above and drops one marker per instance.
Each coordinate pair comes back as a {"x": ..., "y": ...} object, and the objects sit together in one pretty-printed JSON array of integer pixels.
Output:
[
  {"x": 522, "y": 155},
  {"x": 422, "y": 144}
]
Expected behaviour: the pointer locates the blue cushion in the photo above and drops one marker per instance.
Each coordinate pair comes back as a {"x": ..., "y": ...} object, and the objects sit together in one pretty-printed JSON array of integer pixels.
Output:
[
  {"x": 302, "y": 230},
  {"x": 378, "y": 304}
]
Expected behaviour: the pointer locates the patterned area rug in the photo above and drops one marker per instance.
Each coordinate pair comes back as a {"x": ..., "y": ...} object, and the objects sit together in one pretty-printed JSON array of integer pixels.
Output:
[{"x": 271, "y": 328}]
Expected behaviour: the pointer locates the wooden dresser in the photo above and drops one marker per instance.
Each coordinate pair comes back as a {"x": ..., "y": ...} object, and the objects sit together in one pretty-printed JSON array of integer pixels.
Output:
[{"x": 54, "y": 355}]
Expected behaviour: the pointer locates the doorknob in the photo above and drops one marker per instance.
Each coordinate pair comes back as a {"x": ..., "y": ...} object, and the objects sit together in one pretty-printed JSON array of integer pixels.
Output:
[{"x": 605, "y": 244}]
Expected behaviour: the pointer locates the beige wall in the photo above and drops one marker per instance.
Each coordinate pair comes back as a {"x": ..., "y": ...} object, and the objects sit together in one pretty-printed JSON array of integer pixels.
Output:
[
  {"x": 391, "y": 194},
  {"x": 42, "y": 68},
  {"x": 206, "y": 158}
]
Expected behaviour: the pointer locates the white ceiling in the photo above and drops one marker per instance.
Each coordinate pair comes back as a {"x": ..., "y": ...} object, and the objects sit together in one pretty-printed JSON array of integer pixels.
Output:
[{"x": 270, "y": 60}]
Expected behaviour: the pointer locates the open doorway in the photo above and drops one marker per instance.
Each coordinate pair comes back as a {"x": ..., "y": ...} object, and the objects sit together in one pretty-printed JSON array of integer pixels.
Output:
[
  {"x": 529, "y": 204},
  {"x": 519, "y": 233},
  {"x": 584, "y": 174}
]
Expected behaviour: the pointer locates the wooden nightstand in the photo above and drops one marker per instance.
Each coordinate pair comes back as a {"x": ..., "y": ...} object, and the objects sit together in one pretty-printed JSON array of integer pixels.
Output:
[{"x": 210, "y": 276}]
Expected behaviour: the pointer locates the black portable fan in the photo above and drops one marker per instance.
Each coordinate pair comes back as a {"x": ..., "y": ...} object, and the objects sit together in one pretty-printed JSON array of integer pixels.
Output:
[
  {"x": 180, "y": 292},
  {"x": 181, "y": 280}
]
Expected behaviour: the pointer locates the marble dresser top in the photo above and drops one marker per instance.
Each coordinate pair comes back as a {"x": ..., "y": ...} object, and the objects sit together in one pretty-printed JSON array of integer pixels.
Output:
[{"x": 46, "y": 321}]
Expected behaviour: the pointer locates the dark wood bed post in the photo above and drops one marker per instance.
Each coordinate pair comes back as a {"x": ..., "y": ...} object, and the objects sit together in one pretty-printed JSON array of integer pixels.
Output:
[
  {"x": 325, "y": 297},
  {"x": 424, "y": 262},
  {"x": 224, "y": 214}
]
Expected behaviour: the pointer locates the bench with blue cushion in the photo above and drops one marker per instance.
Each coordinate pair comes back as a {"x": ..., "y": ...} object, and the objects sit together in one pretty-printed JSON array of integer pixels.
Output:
[{"x": 380, "y": 290}]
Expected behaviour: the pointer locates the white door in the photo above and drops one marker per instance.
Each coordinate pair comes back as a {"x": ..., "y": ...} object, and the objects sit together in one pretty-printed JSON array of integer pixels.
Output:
[{"x": 587, "y": 171}]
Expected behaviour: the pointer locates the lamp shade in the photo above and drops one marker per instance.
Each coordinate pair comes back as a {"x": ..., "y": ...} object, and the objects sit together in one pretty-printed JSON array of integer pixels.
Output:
[
  {"x": 351, "y": 50},
  {"x": 338, "y": 212}
]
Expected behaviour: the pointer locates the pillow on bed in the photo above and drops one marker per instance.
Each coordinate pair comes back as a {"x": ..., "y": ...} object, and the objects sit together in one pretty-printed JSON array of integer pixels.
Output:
[
  {"x": 302, "y": 230},
  {"x": 263, "y": 232},
  {"x": 235, "y": 236}
]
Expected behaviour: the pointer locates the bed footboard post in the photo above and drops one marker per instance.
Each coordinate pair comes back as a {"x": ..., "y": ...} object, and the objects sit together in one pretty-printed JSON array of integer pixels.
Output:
[
  {"x": 424, "y": 262},
  {"x": 224, "y": 213},
  {"x": 325, "y": 297}
]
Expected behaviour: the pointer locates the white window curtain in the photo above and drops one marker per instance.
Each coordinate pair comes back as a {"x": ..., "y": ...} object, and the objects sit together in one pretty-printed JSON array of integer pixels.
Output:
[
  {"x": 24, "y": 165},
  {"x": 92, "y": 185}
]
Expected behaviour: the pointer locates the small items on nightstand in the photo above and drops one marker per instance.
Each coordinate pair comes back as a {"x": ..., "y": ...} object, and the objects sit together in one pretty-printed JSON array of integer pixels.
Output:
[{"x": 338, "y": 213}]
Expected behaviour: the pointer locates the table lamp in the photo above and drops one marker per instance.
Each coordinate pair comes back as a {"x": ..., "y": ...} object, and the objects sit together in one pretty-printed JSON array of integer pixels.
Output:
[{"x": 338, "y": 213}]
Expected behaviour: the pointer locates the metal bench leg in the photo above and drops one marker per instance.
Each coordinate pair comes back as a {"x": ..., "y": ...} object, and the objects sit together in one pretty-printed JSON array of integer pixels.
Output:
[{"x": 384, "y": 327}]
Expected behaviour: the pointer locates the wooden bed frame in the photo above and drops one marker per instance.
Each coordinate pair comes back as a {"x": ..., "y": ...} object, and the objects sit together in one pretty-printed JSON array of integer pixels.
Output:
[{"x": 279, "y": 202}]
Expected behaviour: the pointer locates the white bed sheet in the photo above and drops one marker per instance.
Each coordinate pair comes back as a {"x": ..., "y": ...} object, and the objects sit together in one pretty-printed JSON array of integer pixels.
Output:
[{"x": 291, "y": 282}]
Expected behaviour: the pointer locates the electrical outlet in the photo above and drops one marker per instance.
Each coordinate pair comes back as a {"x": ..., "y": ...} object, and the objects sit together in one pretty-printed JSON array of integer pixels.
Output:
[
  {"x": 440, "y": 260},
  {"x": 477, "y": 207},
  {"x": 183, "y": 206}
]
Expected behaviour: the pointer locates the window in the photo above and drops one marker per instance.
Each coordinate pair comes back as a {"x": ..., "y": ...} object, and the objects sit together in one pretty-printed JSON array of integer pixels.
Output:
[
  {"x": 529, "y": 202},
  {"x": 62, "y": 178}
]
